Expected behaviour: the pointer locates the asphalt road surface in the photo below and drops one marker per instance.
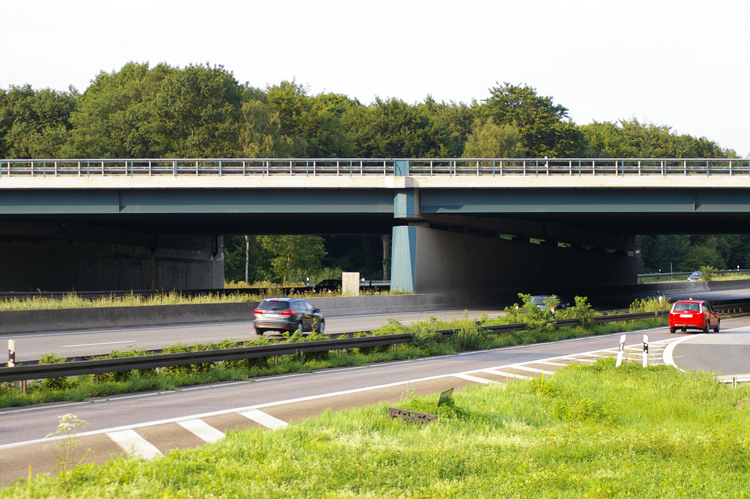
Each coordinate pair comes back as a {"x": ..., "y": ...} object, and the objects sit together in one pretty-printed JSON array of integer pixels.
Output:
[
  {"x": 64, "y": 344},
  {"x": 724, "y": 353}
]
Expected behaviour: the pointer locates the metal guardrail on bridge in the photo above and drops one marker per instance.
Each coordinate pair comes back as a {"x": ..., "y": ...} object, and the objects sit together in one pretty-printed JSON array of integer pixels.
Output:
[{"x": 617, "y": 167}]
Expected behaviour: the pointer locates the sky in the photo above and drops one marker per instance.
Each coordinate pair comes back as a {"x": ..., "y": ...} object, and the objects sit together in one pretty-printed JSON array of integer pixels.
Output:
[{"x": 680, "y": 63}]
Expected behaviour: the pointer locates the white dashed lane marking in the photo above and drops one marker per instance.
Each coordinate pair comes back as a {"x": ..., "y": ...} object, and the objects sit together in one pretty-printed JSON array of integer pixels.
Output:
[
  {"x": 202, "y": 430},
  {"x": 264, "y": 419},
  {"x": 134, "y": 444}
]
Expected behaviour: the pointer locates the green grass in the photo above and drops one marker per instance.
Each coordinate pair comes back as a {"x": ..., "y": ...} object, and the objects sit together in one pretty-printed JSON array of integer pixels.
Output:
[
  {"x": 71, "y": 300},
  {"x": 587, "y": 431}
]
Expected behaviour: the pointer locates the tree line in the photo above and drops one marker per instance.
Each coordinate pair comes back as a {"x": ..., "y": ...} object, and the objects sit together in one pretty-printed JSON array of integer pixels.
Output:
[{"x": 202, "y": 111}]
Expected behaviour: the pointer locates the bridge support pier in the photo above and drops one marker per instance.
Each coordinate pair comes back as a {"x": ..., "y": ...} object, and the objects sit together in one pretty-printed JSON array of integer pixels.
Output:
[{"x": 426, "y": 260}]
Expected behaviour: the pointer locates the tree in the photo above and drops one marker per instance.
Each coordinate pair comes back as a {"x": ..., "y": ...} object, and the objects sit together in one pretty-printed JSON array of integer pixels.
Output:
[
  {"x": 538, "y": 120},
  {"x": 234, "y": 260},
  {"x": 633, "y": 139},
  {"x": 293, "y": 257},
  {"x": 454, "y": 120},
  {"x": 114, "y": 118},
  {"x": 260, "y": 133},
  {"x": 196, "y": 111},
  {"x": 160, "y": 112},
  {"x": 392, "y": 129},
  {"x": 35, "y": 123},
  {"x": 488, "y": 140}
]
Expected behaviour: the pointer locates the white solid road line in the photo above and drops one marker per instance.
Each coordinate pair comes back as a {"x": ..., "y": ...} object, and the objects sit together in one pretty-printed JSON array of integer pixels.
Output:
[
  {"x": 667, "y": 355},
  {"x": 264, "y": 419},
  {"x": 506, "y": 374},
  {"x": 134, "y": 444},
  {"x": 531, "y": 369},
  {"x": 202, "y": 430},
  {"x": 97, "y": 344},
  {"x": 475, "y": 379}
]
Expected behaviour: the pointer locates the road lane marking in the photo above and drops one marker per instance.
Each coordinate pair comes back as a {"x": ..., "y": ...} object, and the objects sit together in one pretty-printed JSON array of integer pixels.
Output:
[
  {"x": 531, "y": 369},
  {"x": 475, "y": 379},
  {"x": 134, "y": 444},
  {"x": 669, "y": 351},
  {"x": 97, "y": 344},
  {"x": 550, "y": 363},
  {"x": 202, "y": 430},
  {"x": 506, "y": 374},
  {"x": 264, "y": 419},
  {"x": 304, "y": 399}
]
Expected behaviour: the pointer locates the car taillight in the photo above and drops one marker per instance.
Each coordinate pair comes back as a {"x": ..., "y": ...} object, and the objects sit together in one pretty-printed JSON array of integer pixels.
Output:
[
  {"x": 287, "y": 312},
  {"x": 258, "y": 311}
]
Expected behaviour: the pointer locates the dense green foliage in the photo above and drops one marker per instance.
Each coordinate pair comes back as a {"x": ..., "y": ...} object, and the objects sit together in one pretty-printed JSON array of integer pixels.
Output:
[
  {"x": 203, "y": 111},
  {"x": 686, "y": 253},
  {"x": 587, "y": 431}
]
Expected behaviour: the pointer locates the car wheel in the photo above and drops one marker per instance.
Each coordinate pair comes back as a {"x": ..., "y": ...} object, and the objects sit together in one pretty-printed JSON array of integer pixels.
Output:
[
  {"x": 300, "y": 328},
  {"x": 718, "y": 326},
  {"x": 672, "y": 330},
  {"x": 706, "y": 329},
  {"x": 260, "y": 332},
  {"x": 320, "y": 326}
]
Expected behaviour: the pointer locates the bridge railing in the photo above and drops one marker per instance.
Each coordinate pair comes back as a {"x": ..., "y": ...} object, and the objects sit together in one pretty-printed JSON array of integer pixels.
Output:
[{"x": 526, "y": 167}]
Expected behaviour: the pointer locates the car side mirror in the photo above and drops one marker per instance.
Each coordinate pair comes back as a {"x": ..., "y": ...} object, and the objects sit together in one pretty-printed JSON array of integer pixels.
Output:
[{"x": 316, "y": 310}]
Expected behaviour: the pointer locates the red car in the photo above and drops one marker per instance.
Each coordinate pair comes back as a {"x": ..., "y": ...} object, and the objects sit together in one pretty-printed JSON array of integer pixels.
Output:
[{"x": 693, "y": 314}]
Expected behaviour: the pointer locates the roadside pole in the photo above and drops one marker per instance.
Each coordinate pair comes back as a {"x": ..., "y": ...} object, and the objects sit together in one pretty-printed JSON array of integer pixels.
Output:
[
  {"x": 645, "y": 350},
  {"x": 619, "y": 352}
]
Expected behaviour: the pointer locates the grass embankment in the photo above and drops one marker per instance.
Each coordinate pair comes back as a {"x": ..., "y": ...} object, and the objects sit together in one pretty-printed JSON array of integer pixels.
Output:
[
  {"x": 71, "y": 300},
  {"x": 426, "y": 342},
  {"x": 587, "y": 431}
]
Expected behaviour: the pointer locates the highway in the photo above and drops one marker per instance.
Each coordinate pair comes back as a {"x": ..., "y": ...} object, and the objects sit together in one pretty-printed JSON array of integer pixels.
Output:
[
  {"x": 64, "y": 344},
  {"x": 150, "y": 424},
  {"x": 153, "y": 423}
]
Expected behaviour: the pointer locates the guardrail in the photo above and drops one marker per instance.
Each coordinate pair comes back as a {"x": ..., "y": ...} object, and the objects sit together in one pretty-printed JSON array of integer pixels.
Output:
[
  {"x": 616, "y": 167},
  {"x": 99, "y": 366},
  {"x": 680, "y": 274}
]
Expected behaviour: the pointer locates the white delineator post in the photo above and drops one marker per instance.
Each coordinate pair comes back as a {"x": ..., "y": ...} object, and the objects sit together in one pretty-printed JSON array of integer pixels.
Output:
[
  {"x": 645, "y": 350},
  {"x": 11, "y": 353},
  {"x": 619, "y": 352}
]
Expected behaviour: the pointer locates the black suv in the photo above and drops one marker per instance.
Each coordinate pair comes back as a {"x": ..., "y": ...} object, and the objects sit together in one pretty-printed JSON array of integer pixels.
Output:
[{"x": 288, "y": 314}]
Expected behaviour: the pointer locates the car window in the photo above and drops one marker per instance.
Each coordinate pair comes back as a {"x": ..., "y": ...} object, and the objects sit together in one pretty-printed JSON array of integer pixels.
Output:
[
  {"x": 688, "y": 307},
  {"x": 308, "y": 306},
  {"x": 273, "y": 305}
]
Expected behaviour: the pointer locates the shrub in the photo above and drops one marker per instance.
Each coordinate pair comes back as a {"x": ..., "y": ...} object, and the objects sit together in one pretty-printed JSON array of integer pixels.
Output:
[
  {"x": 53, "y": 383},
  {"x": 707, "y": 272}
]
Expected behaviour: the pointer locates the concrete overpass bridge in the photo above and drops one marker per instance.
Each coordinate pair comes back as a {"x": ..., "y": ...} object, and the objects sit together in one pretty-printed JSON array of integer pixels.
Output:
[{"x": 455, "y": 224}]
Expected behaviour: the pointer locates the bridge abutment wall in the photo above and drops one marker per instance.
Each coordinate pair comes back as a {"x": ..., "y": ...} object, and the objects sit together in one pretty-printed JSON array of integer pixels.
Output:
[
  {"x": 427, "y": 260},
  {"x": 94, "y": 260}
]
